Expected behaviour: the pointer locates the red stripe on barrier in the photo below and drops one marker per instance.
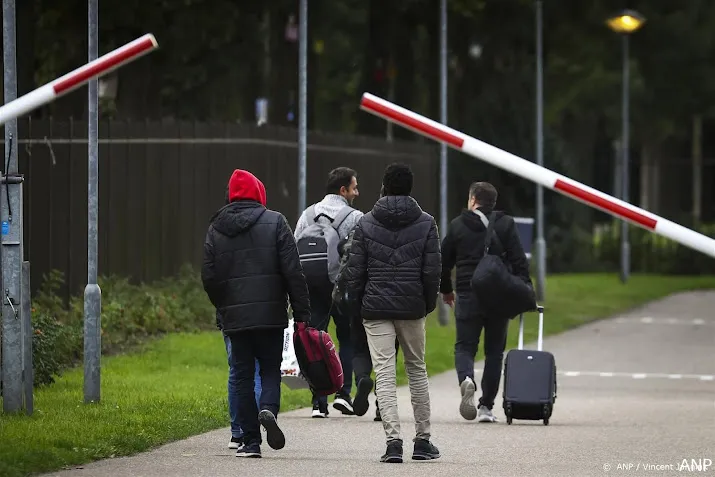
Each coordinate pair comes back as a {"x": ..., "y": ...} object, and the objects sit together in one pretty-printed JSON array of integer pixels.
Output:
[
  {"x": 599, "y": 201},
  {"x": 103, "y": 66},
  {"x": 411, "y": 122}
]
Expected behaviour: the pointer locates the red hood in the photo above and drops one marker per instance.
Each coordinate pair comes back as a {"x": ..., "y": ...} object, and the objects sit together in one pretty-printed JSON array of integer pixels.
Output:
[{"x": 245, "y": 186}]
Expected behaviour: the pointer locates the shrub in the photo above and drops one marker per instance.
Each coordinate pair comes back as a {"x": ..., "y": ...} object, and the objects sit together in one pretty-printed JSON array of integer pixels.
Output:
[
  {"x": 652, "y": 253},
  {"x": 131, "y": 314}
]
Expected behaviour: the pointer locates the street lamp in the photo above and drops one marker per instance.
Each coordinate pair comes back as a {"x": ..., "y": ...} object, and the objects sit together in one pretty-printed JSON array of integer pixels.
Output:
[
  {"x": 540, "y": 240},
  {"x": 625, "y": 23}
]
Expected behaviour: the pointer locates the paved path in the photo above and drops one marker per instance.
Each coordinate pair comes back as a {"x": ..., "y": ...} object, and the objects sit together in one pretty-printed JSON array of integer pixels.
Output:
[{"x": 637, "y": 390}]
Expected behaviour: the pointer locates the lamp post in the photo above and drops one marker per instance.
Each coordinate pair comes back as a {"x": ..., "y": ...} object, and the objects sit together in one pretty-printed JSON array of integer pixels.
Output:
[
  {"x": 540, "y": 240},
  {"x": 443, "y": 311},
  {"x": 625, "y": 23}
]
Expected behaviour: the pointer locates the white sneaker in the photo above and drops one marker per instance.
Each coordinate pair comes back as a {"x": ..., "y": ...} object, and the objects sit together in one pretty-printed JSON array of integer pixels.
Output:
[
  {"x": 344, "y": 405},
  {"x": 235, "y": 443},
  {"x": 467, "y": 408},
  {"x": 486, "y": 415},
  {"x": 319, "y": 413}
]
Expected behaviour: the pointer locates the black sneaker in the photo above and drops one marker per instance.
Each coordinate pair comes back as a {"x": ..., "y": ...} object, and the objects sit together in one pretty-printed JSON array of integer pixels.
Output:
[
  {"x": 361, "y": 404},
  {"x": 249, "y": 450},
  {"x": 274, "y": 436},
  {"x": 378, "y": 416},
  {"x": 425, "y": 450},
  {"x": 344, "y": 404},
  {"x": 393, "y": 454},
  {"x": 235, "y": 442}
]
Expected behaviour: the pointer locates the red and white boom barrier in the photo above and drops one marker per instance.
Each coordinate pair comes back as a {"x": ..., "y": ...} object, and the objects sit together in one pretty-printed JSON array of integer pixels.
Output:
[
  {"x": 535, "y": 173},
  {"x": 71, "y": 81}
]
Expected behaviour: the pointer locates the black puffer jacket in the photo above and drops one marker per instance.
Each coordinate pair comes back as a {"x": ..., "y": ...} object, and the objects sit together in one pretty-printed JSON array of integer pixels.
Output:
[
  {"x": 250, "y": 267},
  {"x": 394, "y": 266},
  {"x": 463, "y": 246}
]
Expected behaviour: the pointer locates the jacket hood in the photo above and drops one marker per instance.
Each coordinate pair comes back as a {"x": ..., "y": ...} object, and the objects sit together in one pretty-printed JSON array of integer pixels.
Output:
[
  {"x": 474, "y": 222},
  {"x": 245, "y": 186},
  {"x": 237, "y": 217},
  {"x": 396, "y": 211}
]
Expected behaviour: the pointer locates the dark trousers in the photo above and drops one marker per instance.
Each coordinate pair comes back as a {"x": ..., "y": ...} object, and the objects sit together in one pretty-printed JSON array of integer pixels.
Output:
[
  {"x": 362, "y": 362},
  {"x": 470, "y": 322},
  {"x": 266, "y": 346},
  {"x": 321, "y": 309}
]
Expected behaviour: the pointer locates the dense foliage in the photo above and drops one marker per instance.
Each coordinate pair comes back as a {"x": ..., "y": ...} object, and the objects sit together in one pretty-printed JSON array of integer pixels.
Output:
[{"x": 130, "y": 315}]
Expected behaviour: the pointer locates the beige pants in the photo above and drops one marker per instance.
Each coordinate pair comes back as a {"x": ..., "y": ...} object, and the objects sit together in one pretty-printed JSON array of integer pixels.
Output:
[{"x": 381, "y": 339}]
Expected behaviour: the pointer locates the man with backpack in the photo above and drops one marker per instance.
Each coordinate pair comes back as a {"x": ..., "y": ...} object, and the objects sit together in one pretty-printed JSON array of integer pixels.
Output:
[
  {"x": 250, "y": 267},
  {"x": 319, "y": 232},
  {"x": 463, "y": 246},
  {"x": 393, "y": 275}
]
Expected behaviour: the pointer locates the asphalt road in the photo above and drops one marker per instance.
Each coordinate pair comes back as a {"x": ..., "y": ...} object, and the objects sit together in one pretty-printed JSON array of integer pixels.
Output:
[{"x": 636, "y": 396}]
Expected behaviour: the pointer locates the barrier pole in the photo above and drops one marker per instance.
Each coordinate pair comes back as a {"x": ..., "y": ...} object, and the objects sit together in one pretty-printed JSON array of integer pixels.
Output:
[
  {"x": 537, "y": 174},
  {"x": 73, "y": 80}
]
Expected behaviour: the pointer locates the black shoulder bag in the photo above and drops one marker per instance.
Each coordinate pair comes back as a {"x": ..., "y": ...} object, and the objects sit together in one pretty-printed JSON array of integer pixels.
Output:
[{"x": 499, "y": 291}]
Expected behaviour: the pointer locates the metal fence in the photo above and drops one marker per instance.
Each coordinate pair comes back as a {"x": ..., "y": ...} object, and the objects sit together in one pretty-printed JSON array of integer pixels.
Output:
[{"x": 160, "y": 182}]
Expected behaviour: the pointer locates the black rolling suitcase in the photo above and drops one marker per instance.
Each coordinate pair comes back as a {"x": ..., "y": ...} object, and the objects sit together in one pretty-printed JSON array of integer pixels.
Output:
[{"x": 529, "y": 379}]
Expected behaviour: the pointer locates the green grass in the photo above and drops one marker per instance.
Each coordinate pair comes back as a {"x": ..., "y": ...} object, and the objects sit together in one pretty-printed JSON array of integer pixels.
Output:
[{"x": 176, "y": 386}]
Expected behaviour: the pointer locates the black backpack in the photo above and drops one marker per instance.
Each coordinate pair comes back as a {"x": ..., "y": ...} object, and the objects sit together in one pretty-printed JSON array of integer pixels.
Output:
[{"x": 499, "y": 291}]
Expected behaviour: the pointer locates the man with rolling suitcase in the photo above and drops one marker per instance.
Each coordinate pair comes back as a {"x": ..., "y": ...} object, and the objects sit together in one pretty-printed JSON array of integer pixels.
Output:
[{"x": 464, "y": 247}]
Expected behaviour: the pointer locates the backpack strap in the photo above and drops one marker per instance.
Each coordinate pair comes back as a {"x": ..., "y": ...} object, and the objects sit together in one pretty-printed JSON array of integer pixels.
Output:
[
  {"x": 341, "y": 216},
  {"x": 491, "y": 233}
]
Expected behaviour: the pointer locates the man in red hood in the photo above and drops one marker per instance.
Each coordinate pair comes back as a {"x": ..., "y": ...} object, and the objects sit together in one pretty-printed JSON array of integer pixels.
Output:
[{"x": 251, "y": 267}]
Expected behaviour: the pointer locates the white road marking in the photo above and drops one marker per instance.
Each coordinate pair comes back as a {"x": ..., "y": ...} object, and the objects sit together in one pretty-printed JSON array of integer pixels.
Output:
[
  {"x": 648, "y": 320},
  {"x": 608, "y": 374}
]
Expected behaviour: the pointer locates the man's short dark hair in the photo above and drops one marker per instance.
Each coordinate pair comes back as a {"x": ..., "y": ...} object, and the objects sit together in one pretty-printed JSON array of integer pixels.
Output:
[
  {"x": 397, "y": 179},
  {"x": 338, "y": 178},
  {"x": 484, "y": 193}
]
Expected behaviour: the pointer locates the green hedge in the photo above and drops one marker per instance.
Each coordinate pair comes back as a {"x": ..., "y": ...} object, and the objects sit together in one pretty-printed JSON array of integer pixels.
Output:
[
  {"x": 130, "y": 315},
  {"x": 651, "y": 253}
]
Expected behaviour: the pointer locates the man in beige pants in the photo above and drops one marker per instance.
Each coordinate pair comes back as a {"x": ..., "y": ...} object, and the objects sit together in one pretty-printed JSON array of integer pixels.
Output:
[{"x": 393, "y": 276}]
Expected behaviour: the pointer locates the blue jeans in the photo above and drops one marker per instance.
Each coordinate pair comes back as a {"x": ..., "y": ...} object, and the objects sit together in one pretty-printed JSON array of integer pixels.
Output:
[
  {"x": 233, "y": 404},
  {"x": 266, "y": 346}
]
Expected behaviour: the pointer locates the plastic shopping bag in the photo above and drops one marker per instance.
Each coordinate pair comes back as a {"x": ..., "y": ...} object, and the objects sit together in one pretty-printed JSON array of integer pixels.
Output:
[{"x": 290, "y": 371}]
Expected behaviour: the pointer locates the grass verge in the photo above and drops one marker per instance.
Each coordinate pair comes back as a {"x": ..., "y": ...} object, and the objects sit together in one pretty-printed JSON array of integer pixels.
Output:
[{"x": 176, "y": 386}]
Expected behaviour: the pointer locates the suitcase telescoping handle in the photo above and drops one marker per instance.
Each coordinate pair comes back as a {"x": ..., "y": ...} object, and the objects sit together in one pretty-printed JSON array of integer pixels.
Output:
[{"x": 540, "y": 342}]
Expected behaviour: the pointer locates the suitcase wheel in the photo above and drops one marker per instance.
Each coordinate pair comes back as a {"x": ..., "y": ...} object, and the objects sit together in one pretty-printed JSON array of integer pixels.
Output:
[
  {"x": 507, "y": 411},
  {"x": 547, "y": 414}
]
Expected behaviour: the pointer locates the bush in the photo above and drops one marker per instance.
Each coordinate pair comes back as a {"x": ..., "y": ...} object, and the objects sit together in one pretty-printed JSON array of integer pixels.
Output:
[
  {"x": 130, "y": 315},
  {"x": 652, "y": 253}
]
